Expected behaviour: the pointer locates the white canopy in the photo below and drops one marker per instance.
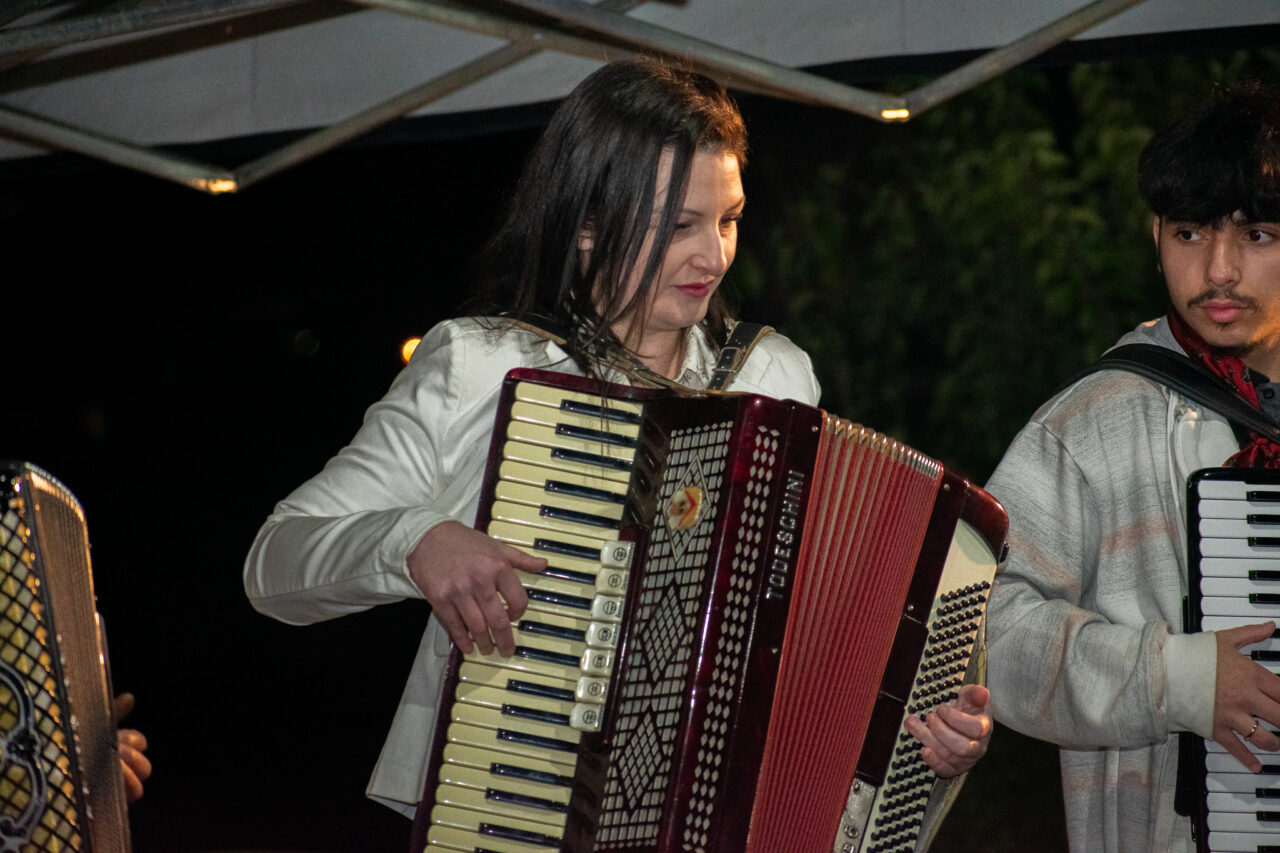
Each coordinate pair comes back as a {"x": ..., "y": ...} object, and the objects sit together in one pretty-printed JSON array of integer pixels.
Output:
[{"x": 112, "y": 84}]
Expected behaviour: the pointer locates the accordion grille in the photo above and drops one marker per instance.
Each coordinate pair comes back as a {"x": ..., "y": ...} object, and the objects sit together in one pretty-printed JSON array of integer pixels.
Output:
[{"x": 60, "y": 784}]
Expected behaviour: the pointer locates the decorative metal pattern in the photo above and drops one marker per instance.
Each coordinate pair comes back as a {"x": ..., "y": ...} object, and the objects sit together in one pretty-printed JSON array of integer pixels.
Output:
[
  {"x": 38, "y": 809},
  {"x": 663, "y": 645}
]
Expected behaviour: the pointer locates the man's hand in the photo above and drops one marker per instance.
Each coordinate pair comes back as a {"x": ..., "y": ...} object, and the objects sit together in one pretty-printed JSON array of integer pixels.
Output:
[
  {"x": 471, "y": 583},
  {"x": 956, "y": 735},
  {"x": 130, "y": 743},
  {"x": 1246, "y": 696}
]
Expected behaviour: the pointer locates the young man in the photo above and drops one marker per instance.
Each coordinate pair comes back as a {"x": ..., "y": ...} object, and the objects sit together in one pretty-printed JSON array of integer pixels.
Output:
[{"x": 1086, "y": 646}]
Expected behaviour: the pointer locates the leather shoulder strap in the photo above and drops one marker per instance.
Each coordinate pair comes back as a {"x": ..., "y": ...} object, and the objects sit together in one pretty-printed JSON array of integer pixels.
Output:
[
  {"x": 742, "y": 339},
  {"x": 1176, "y": 371}
]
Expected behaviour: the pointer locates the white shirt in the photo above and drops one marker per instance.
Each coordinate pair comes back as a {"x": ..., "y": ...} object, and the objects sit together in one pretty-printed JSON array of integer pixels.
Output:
[{"x": 339, "y": 543}]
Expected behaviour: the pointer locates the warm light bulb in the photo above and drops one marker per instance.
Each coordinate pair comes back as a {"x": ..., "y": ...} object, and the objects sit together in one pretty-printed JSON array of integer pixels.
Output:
[
  {"x": 895, "y": 115},
  {"x": 407, "y": 348}
]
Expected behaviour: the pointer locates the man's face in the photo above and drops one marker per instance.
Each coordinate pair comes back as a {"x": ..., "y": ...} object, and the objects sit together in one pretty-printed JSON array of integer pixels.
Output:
[{"x": 1224, "y": 280}]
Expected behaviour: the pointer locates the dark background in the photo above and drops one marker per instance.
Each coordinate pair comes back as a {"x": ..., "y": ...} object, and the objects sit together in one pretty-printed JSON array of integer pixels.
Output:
[{"x": 181, "y": 362}]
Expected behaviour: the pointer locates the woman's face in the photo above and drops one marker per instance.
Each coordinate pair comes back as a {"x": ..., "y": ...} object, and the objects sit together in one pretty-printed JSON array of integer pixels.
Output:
[{"x": 702, "y": 246}]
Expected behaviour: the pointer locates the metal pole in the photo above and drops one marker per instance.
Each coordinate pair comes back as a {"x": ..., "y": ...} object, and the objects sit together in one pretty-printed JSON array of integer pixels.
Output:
[
  {"x": 12, "y": 10},
  {"x": 105, "y": 24},
  {"x": 774, "y": 78},
  {"x": 996, "y": 62},
  {"x": 201, "y": 176},
  {"x": 530, "y": 41},
  {"x": 331, "y": 137}
]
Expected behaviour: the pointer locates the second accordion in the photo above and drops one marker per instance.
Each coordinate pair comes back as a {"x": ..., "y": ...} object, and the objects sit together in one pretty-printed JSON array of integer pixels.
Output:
[{"x": 744, "y": 600}]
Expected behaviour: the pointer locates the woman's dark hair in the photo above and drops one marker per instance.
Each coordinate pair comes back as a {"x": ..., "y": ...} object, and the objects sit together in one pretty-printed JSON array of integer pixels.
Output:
[
  {"x": 594, "y": 173},
  {"x": 1221, "y": 158}
]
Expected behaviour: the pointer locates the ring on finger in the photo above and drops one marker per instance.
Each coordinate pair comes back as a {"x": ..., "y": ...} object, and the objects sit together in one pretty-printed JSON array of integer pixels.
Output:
[{"x": 1252, "y": 730}]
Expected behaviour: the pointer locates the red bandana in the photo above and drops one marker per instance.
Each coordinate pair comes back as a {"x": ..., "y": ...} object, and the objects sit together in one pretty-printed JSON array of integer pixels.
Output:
[{"x": 1258, "y": 452}]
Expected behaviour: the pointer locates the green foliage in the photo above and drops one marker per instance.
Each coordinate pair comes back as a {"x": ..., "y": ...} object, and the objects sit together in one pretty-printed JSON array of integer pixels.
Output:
[{"x": 947, "y": 274}]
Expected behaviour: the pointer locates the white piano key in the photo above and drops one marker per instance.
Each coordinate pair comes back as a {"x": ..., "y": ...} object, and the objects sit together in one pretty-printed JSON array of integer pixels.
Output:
[
  {"x": 1226, "y": 567},
  {"x": 1218, "y": 606},
  {"x": 1266, "y": 757},
  {"x": 1237, "y": 587},
  {"x": 1221, "y": 622},
  {"x": 1243, "y": 822},
  {"x": 1240, "y": 782},
  {"x": 1236, "y": 509},
  {"x": 1235, "y": 528},
  {"x": 1241, "y": 802},
  {"x": 1239, "y": 842},
  {"x": 1237, "y": 548},
  {"x": 1232, "y": 489}
]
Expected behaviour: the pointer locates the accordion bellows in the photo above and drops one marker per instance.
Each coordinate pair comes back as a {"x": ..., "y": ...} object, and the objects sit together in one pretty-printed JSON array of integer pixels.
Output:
[
  {"x": 60, "y": 783},
  {"x": 745, "y": 598}
]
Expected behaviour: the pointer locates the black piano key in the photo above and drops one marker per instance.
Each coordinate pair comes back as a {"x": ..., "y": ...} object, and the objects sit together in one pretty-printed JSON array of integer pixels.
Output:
[
  {"x": 530, "y": 626},
  {"x": 1268, "y": 848},
  {"x": 575, "y": 601},
  {"x": 537, "y": 839},
  {"x": 1267, "y": 793},
  {"x": 1260, "y": 518},
  {"x": 1270, "y": 768},
  {"x": 1260, "y": 496},
  {"x": 591, "y": 459},
  {"x": 528, "y": 775},
  {"x": 560, "y": 514},
  {"x": 543, "y": 690},
  {"x": 530, "y": 653},
  {"x": 536, "y": 715},
  {"x": 512, "y": 736},
  {"x": 569, "y": 575},
  {"x": 1267, "y": 817},
  {"x": 497, "y": 796},
  {"x": 1265, "y": 597},
  {"x": 579, "y": 551},
  {"x": 588, "y": 434},
  {"x": 556, "y": 487},
  {"x": 1264, "y": 655},
  {"x": 579, "y": 408},
  {"x": 1264, "y": 575},
  {"x": 1264, "y": 541}
]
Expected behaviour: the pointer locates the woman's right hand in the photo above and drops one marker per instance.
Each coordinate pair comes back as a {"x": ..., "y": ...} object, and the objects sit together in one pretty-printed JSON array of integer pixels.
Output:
[{"x": 471, "y": 583}]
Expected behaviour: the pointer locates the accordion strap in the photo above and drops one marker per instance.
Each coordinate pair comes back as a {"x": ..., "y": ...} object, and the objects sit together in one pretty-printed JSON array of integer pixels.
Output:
[
  {"x": 1176, "y": 371},
  {"x": 738, "y": 344}
]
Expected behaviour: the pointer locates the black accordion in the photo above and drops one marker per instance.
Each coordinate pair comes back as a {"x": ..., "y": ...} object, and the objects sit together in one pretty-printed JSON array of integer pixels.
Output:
[
  {"x": 745, "y": 598},
  {"x": 1233, "y": 558},
  {"x": 61, "y": 787}
]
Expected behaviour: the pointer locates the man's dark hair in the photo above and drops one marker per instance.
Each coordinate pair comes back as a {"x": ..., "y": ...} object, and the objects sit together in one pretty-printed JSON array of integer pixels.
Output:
[{"x": 1221, "y": 158}]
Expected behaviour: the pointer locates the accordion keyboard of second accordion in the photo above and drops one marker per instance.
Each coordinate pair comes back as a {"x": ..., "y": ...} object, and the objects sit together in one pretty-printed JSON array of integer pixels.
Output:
[{"x": 745, "y": 599}]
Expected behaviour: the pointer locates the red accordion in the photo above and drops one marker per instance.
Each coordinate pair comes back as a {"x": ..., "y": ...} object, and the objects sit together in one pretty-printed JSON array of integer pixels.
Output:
[{"x": 745, "y": 598}]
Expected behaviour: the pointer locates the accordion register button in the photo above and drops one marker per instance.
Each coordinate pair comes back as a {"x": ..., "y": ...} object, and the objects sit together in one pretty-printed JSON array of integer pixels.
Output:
[
  {"x": 591, "y": 690},
  {"x": 606, "y": 607},
  {"x": 612, "y": 580},
  {"x": 596, "y": 662},
  {"x": 602, "y": 635},
  {"x": 587, "y": 718},
  {"x": 616, "y": 555}
]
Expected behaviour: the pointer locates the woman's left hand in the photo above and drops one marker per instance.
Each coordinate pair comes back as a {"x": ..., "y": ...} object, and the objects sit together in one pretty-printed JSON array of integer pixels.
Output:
[{"x": 955, "y": 736}]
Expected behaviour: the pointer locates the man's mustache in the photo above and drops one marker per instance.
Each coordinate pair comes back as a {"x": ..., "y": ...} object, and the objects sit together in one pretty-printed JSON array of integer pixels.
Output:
[{"x": 1215, "y": 294}]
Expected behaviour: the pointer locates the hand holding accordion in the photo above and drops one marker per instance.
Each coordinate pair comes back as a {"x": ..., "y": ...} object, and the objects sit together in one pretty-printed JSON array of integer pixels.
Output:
[{"x": 745, "y": 600}]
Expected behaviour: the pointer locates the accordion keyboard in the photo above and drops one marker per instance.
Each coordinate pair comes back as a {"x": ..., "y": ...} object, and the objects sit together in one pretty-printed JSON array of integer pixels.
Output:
[
  {"x": 512, "y": 742},
  {"x": 1237, "y": 536}
]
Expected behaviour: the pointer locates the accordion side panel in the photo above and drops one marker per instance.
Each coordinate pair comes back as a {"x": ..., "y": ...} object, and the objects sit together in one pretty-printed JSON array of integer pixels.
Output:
[
  {"x": 62, "y": 788},
  {"x": 846, "y": 608}
]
